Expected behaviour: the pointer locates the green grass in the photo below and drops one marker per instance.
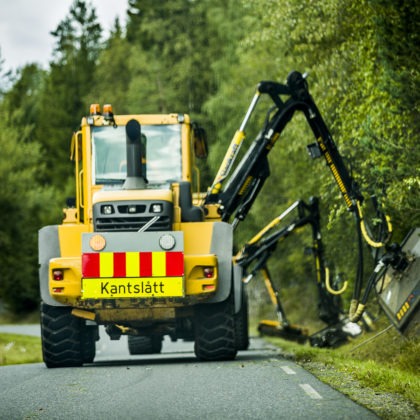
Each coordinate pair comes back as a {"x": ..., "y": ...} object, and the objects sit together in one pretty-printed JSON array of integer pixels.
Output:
[{"x": 18, "y": 349}]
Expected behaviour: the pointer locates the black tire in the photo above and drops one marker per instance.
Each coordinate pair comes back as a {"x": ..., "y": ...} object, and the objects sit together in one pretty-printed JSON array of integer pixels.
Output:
[
  {"x": 215, "y": 331},
  {"x": 89, "y": 337},
  {"x": 241, "y": 324},
  {"x": 61, "y": 335},
  {"x": 140, "y": 344}
]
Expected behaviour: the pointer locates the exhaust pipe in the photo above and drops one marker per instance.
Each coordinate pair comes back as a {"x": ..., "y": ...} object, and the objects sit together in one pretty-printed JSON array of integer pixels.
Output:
[{"x": 136, "y": 179}]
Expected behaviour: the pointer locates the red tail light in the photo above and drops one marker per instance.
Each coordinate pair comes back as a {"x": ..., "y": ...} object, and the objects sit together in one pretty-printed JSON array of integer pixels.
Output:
[
  {"x": 208, "y": 272},
  {"x": 58, "y": 275}
]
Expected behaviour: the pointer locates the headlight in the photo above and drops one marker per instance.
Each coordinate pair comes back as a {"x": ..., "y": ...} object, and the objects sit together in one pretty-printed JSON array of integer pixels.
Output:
[
  {"x": 107, "y": 209},
  {"x": 156, "y": 208},
  {"x": 132, "y": 209}
]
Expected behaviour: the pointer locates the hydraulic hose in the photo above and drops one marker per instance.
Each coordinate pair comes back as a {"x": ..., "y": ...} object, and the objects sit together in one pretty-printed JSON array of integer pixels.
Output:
[
  {"x": 354, "y": 304},
  {"x": 360, "y": 307},
  {"x": 357, "y": 307},
  {"x": 328, "y": 284},
  {"x": 368, "y": 239}
]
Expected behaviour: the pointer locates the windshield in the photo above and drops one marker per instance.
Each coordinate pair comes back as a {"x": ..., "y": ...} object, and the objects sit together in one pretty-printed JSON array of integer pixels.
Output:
[{"x": 163, "y": 153}]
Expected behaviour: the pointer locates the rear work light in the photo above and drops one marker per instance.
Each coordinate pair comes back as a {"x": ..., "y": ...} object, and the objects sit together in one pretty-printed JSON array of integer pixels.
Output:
[
  {"x": 58, "y": 275},
  {"x": 208, "y": 272},
  {"x": 107, "y": 109},
  {"x": 95, "y": 109}
]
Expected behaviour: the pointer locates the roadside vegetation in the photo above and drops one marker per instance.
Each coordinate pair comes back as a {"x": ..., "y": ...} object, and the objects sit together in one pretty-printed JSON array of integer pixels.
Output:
[
  {"x": 17, "y": 349},
  {"x": 379, "y": 370},
  {"x": 205, "y": 58}
]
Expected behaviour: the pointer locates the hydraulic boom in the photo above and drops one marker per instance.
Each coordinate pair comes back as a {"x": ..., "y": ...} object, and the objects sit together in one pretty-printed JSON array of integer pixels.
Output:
[{"x": 235, "y": 193}]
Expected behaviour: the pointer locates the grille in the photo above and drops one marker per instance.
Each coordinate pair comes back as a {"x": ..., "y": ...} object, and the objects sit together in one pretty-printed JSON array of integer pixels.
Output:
[{"x": 131, "y": 216}]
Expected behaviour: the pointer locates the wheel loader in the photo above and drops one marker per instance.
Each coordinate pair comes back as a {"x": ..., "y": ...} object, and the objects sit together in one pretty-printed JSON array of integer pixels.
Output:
[{"x": 134, "y": 252}]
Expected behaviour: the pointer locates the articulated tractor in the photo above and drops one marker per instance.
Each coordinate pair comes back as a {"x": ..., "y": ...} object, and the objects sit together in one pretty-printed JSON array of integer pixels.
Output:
[
  {"x": 134, "y": 253},
  {"x": 143, "y": 253}
]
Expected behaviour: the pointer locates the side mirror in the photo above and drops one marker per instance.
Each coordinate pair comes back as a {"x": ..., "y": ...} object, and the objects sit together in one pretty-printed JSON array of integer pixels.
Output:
[{"x": 199, "y": 141}]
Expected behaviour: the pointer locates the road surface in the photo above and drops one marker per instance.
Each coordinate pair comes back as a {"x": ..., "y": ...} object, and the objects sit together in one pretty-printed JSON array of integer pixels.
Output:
[{"x": 259, "y": 384}]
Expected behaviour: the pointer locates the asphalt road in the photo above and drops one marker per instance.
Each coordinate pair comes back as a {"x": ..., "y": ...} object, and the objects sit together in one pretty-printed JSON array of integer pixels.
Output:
[{"x": 259, "y": 384}]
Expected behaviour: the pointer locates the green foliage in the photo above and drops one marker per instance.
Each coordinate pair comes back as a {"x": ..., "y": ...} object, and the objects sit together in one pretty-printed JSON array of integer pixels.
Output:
[
  {"x": 38, "y": 115},
  {"x": 343, "y": 46},
  {"x": 21, "y": 100},
  {"x": 22, "y": 203},
  {"x": 113, "y": 76},
  {"x": 171, "y": 56},
  {"x": 61, "y": 101},
  {"x": 205, "y": 58}
]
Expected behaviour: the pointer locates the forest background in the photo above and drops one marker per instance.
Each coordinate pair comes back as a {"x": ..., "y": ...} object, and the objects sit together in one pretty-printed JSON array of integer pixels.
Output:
[{"x": 205, "y": 58}]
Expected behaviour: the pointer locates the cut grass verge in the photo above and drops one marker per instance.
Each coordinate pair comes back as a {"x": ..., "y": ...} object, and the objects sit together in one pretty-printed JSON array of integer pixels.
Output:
[
  {"x": 17, "y": 349},
  {"x": 380, "y": 373}
]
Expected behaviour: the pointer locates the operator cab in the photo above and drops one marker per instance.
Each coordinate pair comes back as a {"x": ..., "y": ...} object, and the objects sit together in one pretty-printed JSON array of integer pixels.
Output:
[{"x": 162, "y": 160}]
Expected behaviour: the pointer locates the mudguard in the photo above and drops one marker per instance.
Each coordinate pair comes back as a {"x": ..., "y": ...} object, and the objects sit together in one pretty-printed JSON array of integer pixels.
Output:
[
  {"x": 48, "y": 247},
  {"x": 237, "y": 286},
  {"x": 222, "y": 245}
]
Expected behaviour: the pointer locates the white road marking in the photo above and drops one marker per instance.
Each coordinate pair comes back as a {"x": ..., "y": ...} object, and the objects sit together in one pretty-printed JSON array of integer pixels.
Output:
[
  {"x": 288, "y": 370},
  {"x": 310, "y": 391}
]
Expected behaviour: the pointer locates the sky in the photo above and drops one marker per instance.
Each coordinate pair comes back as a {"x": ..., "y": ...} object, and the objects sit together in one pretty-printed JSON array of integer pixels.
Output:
[{"x": 25, "y": 27}]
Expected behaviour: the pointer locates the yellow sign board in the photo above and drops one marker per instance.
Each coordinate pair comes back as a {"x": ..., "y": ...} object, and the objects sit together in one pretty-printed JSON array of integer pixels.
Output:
[{"x": 132, "y": 287}]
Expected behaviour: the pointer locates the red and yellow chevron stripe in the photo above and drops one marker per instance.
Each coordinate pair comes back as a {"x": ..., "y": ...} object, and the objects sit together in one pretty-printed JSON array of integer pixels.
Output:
[{"x": 132, "y": 264}]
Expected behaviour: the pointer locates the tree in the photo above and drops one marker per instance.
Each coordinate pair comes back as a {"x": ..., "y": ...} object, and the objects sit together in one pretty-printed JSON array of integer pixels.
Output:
[
  {"x": 71, "y": 74},
  {"x": 20, "y": 102},
  {"x": 113, "y": 75},
  {"x": 38, "y": 115},
  {"x": 205, "y": 58},
  {"x": 22, "y": 206},
  {"x": 361, "y": 57},
  {"x": 172, "y": 56}
]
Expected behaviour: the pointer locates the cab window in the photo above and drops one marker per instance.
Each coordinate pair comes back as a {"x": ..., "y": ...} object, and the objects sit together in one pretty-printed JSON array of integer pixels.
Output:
[{"x": 162, "y": 160}]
